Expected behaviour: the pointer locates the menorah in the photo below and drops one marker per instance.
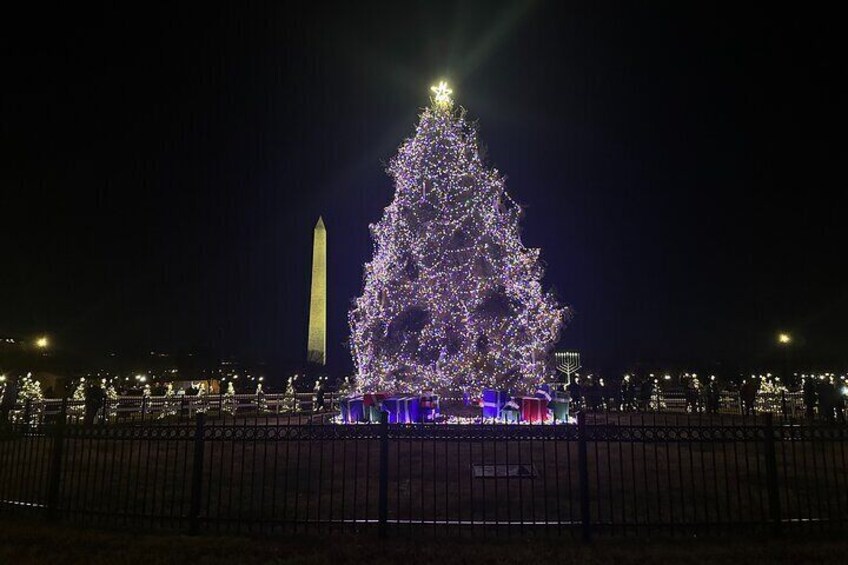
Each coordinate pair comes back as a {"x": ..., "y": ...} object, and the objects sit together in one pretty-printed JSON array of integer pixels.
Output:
[{"x": 568, "y": 363}]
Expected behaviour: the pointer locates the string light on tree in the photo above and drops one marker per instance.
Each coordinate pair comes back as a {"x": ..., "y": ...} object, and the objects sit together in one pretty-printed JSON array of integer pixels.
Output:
[{"x": 452, "y": 299}]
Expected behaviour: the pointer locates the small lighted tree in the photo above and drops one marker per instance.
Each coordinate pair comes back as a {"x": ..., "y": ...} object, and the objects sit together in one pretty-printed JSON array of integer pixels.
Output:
[
  {"x": 201, "y": 399},
  {"x": 77, "y": 407},
  {"x": 31, "y": 401},
  {"x": 289, "y": 403},
  {"x": 261, "y": 402},
  {"x": 229, "y": 404},
  {"x": 170, "y": 404},
  {"x": 111, "y": 395},
  {"x": 770, "y": 395},
  {"x": 316, "y": 393},
  {"x": 657, "y": 402}
]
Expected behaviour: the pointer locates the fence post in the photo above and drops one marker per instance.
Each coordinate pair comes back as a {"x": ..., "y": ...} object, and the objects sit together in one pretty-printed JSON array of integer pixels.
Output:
[
  {"x": 771, "y": 476},
  {"x": 583, "y": 467},
  {"x": 56, "y": 463},
  {"x": 196, "y": 475},
  {"x": 383, "y": 492},
  {"x": 783, "y": 406}
]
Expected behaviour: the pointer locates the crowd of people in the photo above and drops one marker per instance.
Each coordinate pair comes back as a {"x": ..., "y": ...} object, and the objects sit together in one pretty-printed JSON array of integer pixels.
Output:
[
  {"x": 643, "y": 394},
  {"x": 824, "y": 397}
]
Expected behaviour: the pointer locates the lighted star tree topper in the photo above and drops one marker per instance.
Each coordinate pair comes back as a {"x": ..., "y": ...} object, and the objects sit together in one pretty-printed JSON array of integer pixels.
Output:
[{"x": 452, "y": 299}]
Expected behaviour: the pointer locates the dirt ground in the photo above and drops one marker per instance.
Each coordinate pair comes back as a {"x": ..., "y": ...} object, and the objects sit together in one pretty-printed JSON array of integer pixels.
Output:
[
  {"x": 264, "y": 483},
  {"x": 30, "y": 542}
]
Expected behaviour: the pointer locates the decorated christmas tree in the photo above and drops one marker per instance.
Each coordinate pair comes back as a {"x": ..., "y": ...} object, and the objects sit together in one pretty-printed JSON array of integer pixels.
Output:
[
  {"x": 111, "y": 396},
  {"x": 289, "y": 402},
  {"x": 657, "y": 397},
  {"x": 261, "y": 401},
  {"x": 201, "y": 399},
  {"x": 77, "y": 406},
  {"x": 771, "y": 395},
  {"x": 170, "y": 404},
  {"x": 229, "y": 404},
  {"x": 31, "y": 401},
  {"x": 452, "y": 299}
]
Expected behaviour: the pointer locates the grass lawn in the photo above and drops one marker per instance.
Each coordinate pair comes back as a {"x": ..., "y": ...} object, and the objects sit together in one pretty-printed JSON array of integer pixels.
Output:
[{"x": 25, "y": 542}]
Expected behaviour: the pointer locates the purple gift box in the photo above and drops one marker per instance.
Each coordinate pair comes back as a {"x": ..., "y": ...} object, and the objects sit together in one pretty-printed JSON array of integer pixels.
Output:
[
  {"x": 402, "y": 409},
  {"x": 428, "y": 406},
  {"x": 493, "y": 403},
  {"x": 352, "y": 409}
]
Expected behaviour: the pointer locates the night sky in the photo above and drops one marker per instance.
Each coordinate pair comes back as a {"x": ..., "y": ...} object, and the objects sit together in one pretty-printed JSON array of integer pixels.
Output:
[{"x": 162, "y": 169}]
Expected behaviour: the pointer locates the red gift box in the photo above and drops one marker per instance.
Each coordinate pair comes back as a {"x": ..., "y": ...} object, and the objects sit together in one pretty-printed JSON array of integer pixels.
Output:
[
  {"x": 374, "y": 398},
  {"x": 533, "y": 410}
]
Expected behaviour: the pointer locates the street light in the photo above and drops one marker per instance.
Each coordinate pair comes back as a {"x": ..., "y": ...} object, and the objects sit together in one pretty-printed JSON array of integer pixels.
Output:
[
  {"x": 42, "y": 342},
  {"x": 784, "y": 339}
]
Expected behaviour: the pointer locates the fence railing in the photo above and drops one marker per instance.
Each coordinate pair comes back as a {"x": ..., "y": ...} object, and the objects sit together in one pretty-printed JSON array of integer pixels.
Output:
[
  {"x": 783, "y": 404},
  {"x": 288, "y": 473},
  {"x": 185, "y": 407},
  {"x": 786, "y": 405}
]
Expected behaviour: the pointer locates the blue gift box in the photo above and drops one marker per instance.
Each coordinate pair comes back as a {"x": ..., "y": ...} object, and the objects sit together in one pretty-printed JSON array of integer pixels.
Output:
[
  {"x": 510, "y": 413},
  {"x": 402, "y": 409},
  {"x": 352, "y": 409},
  {"x": 493, "y": 403}
]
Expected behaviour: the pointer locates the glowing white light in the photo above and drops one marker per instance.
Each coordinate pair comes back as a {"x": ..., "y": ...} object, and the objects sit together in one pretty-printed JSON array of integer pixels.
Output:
[{"x": 441, "y": 93}]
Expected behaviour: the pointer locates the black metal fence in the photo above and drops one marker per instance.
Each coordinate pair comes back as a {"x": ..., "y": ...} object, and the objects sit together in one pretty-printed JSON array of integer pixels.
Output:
[{"x": 638, "y": 475}]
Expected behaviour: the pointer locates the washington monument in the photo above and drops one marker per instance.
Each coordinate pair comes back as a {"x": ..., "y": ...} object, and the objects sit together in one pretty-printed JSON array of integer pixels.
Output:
[{"x": 316, "y": 348}]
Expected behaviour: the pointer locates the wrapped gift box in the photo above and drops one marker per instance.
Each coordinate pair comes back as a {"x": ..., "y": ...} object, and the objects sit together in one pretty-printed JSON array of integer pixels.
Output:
[
  {"x": 374, "y": 413},
  {"x": 352, "y": 409},
  {"x": 562, "y": 395},
  {"x": 559, "y": 407},
  {"x": 533, "y": 409},
  {"x": 374, "y": 398},
  {"x": 428, "y": 407},
  {"x": 511, "y": 413},
  {"x": 544, "y": 392},
  {"x": 493, "y": 402},
  {"x": 402, "y": 409}
]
